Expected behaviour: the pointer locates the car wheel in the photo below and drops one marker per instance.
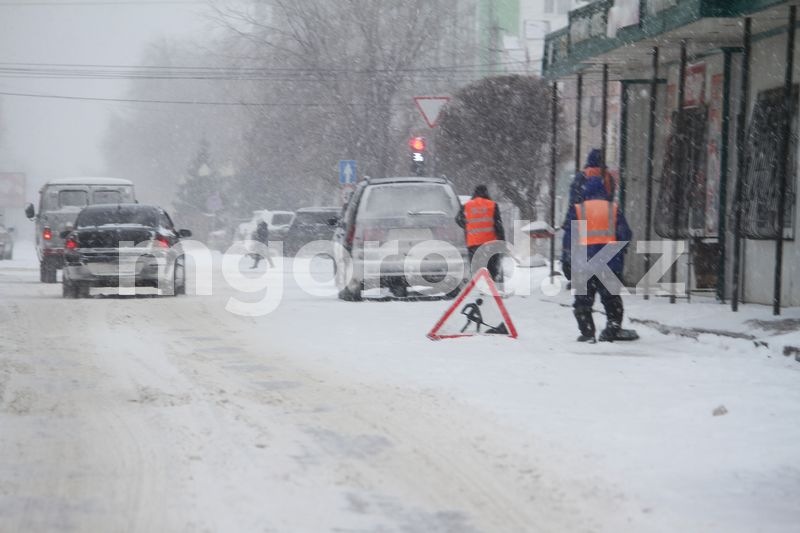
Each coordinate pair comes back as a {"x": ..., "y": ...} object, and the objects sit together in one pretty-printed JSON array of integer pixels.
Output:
[
  {"x": 398, "y": 288},
  {"x": 349, "y": 294},
  {"x": 48, "y": 273},
  {"x": 179, "y": 277},
  {"x": 68, "y": 290}
]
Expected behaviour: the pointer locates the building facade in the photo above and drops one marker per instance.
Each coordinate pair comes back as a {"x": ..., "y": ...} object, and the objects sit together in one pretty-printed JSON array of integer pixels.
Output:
[{"x": 707, "y": 133}]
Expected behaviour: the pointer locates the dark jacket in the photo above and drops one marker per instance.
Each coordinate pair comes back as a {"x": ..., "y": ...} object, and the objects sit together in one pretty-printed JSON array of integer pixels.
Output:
[
  {"x": 595, "y": 189},
  {"x": 262, "y": 233},
  {"x": 461, "y": 220}
]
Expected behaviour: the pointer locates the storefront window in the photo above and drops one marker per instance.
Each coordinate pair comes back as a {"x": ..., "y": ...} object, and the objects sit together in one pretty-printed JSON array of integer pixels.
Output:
[
  {"x": 762, "y": 177},
  {"x": 683, "y": 182}
]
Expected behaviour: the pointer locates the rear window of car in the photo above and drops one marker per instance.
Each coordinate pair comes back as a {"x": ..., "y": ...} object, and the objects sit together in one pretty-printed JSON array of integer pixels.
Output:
[
  {"x": 400, "y": 200},
  {"x": 70, "y": 198},
  {"x": 107, "y": 197},
  {"x": 281, "y": 219},
  {"x": 118, "y": 215}
]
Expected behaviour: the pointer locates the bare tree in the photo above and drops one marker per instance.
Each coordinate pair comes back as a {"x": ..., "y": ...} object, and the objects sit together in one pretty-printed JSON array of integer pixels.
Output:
[
  {"x": 360, "y": 56},
  {"x": 496, "y": 131}
]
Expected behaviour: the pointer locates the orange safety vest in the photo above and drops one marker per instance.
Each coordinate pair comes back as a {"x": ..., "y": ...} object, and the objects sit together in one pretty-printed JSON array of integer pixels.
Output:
[
  {"x": 601, "y": 221},
  {"x": 479, "y": 215}
]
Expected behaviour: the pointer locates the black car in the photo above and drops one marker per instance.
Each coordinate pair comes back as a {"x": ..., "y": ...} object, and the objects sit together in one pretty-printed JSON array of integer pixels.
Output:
[
  {"x": 310, "y": 224},
  {"x": 123, "y": 245}
]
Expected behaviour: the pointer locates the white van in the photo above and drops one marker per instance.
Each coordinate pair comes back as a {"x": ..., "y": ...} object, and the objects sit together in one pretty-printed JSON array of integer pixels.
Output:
[{"x": 60, "y": 201}]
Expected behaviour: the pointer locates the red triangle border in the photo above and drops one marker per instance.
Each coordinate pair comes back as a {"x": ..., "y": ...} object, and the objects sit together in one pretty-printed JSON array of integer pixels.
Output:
[{"x": 482, "y": 273}]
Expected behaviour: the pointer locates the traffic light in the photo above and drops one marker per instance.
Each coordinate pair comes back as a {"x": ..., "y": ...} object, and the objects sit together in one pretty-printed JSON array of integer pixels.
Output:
[{"x": 417, "y": 146}]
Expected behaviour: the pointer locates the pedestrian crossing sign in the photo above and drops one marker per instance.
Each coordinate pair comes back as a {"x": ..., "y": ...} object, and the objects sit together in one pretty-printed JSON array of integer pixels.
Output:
[{"x": 477, "y": 310}]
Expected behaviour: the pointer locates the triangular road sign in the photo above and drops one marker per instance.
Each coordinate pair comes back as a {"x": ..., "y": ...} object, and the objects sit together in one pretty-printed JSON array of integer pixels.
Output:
[
  {"x": 478, "y": 310},
  {"x": 430, "y": 107}
]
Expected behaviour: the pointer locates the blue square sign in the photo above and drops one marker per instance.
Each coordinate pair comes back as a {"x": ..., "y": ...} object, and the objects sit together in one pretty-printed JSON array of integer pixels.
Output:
[{"x": 347, "y": 172}]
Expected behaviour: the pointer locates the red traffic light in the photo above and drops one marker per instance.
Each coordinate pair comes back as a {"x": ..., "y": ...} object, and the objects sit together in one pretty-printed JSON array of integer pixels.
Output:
[{"x": 417, "y": 144}]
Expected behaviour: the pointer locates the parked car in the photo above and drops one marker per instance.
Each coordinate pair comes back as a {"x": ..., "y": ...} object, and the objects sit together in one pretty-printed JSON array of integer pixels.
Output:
[
  {"x": 123, "y": 245},
  {"x": 310, "y": 224},
  {"x": 409, "y": 211},
  {"x": 6, "y": 242},
  {"x": 60, "y": 201},
  {"x": 277, "y": 221}
]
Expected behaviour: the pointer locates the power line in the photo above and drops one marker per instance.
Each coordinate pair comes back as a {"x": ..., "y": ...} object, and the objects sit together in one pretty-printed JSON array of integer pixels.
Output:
[
  {"x": 183, "y": 102},
  {"x": 79, "y": 66},
  {"x": 100, "y": 3}
]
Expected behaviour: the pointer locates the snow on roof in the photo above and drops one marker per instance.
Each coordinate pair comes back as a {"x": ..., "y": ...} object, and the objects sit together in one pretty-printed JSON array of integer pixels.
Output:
[{"x": 89, "y": 181}]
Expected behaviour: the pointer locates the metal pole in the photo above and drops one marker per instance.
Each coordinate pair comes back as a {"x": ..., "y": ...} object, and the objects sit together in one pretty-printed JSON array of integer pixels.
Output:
[
  {"x": 604, "y": 124},
  {"x": 788, "y": 103},
  {"x": 578, "y": 121},
  {"x": 741, "y": 124},
  {"x": 553, "y": 169},
  {"x": 651, "y": 148},
  {"x": 678, "y": 185},
  {"x": 723, "y": 172},
  {"x": 623, "y": 143}
]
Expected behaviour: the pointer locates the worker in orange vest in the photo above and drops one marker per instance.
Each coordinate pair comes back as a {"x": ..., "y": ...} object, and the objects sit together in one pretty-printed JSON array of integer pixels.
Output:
[
  {"x": 481, "y": 221},
  {"x": 604, "y": 224}
]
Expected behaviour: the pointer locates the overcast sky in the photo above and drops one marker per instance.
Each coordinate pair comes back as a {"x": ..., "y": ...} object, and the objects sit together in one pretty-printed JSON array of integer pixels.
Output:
[{"x": 48, "y": 138}]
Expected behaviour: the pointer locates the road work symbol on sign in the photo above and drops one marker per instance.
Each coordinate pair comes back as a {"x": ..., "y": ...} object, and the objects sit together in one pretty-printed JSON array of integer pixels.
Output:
[
  {"x": 478, "y": 310},
  {"x": 431, "y": 107}
]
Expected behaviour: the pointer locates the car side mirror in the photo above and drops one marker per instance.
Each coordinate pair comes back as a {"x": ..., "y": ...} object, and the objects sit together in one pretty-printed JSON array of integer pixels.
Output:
[
  {"x": 64, "y": 234},
  {"x": 185, "y": 232},
  {"x": 29, "y": 212}
]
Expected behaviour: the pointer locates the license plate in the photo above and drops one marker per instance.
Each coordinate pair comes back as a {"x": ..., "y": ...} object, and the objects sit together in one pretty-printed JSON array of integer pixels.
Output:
[{"x": 410, "y": 234}]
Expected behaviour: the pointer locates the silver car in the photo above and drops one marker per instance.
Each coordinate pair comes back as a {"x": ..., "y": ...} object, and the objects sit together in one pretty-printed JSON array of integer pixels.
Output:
[
  {"x": 400, "y": 233},
  {"x": 123, "y": 245},
  {"x": 60, "y": 201}
]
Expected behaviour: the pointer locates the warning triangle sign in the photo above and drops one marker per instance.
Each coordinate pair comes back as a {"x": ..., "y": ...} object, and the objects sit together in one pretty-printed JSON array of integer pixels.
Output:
[
  {"x": 478, "y": 310},
  {"x": 430, "y": 107}
]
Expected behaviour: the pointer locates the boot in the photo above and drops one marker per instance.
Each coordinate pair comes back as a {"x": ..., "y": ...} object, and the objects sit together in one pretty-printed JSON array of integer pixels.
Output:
[
  {"x": 585, "y": 323},
  {"x": 587, "y": 339},
  {"x": 611, "y": 332}
]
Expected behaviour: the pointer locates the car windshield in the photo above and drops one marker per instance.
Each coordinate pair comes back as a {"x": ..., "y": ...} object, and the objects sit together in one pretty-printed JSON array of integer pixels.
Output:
[
  {"x": 118, "y": 215},
  {"x": 401, "y": 200}
]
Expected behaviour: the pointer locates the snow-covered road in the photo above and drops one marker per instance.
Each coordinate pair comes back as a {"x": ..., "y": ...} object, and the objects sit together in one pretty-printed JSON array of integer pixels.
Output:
[{"x": 173, "y": 414}]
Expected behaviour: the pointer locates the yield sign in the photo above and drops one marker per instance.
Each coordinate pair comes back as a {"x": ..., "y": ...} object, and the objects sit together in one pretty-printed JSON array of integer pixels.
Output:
[
  {"x": 430, "y": 107},
  {"x": 478, "y": 310}
]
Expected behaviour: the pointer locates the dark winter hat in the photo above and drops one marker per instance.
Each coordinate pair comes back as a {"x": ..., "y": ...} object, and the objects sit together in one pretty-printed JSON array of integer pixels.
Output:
[
  {"x": 595, "y": 158},
  {"x": 481, "y": 192}
]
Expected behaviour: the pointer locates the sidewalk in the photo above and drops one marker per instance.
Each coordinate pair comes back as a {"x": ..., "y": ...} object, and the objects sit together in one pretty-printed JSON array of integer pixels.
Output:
[{"x": 702, "y": 317}]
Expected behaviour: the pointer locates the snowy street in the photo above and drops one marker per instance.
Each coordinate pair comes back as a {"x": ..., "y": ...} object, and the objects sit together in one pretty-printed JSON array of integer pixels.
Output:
[{"x": 173, "y": 414}]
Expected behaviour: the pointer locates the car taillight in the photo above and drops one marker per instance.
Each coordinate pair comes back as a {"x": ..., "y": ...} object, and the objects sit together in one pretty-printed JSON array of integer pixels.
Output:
[
  {"x": 351, "y": 233},
  {"x": 161, "y": 242},
  {"x": 71, "y": 243},
  {"x": 47, "y": 234}
]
